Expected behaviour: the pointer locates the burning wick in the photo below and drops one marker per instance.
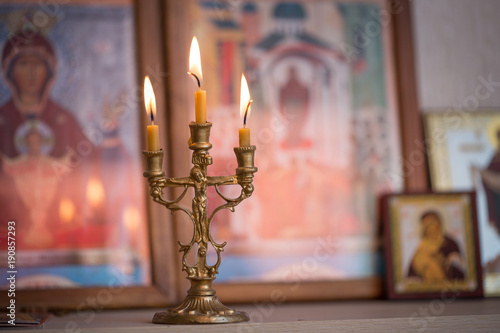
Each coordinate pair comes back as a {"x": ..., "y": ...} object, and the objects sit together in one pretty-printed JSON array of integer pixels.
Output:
[
  {"x": 197, "y": 80},
  {"x": 246, "y": 113}
]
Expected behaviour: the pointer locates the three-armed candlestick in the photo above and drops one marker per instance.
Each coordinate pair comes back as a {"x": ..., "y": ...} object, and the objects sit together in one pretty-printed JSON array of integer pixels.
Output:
[{"x": 201, "y": 305}]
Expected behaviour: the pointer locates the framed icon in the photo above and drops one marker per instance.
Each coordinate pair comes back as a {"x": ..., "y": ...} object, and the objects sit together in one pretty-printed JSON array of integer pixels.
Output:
[
  {"x": 70, "y": 156},
  {"x": 325, "y": 120},
  {"x": 432, "y": 246},
  {"x": 464, "y": 155}
]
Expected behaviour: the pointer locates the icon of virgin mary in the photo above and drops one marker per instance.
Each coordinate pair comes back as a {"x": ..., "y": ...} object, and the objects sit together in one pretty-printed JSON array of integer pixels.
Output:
[{"x": 29, "y": 70}]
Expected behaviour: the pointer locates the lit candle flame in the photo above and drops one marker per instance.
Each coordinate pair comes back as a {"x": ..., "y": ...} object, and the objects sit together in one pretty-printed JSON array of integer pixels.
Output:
[
  {"x": 245, "y": 100},
  {"x": 195, "y": 62},
  {"x": 149, "y": 99}
]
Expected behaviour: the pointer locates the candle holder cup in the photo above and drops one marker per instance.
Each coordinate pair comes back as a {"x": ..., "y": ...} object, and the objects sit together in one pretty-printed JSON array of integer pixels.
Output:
[{"x": 201, "y": 305}]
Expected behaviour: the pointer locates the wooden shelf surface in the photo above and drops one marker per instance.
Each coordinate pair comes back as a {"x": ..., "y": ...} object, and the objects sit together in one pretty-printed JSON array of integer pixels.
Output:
[{"x": 460, "y": 315}]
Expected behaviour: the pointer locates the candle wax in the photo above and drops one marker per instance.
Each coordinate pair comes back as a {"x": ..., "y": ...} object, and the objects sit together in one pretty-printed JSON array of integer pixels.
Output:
[
  {"x": 200, "y": 103},
  {"x": 153, "y": 138},
  {"x": 245, "y": 137}
]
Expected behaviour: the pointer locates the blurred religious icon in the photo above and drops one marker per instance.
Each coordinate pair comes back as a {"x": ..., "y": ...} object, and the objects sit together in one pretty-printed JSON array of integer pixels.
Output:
[
  {"x": 63, "y": 169},
  {"x": 490, "y": 176},
  {"x": 431, "y": 245},
  {"x": 438, "y": 256},
  {"x": 326, "y": 134},
  {"x": 464, "y": 154},
  {"x": 37, "y": 134}
]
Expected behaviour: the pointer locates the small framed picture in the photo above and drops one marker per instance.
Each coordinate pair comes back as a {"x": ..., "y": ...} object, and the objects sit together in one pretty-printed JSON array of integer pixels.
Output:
[{"x": 432, "y": 246}]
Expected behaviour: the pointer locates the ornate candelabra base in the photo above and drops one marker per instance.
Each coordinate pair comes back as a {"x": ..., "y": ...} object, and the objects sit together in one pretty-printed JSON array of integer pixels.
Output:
[{"x": 201, "y": 306}]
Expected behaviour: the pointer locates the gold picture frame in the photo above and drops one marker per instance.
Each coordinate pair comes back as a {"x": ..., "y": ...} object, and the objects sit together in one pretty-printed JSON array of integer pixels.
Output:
[{"x": 431, "y": 244}]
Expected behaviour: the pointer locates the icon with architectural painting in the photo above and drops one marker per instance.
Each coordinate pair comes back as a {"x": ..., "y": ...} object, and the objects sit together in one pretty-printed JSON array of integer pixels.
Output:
[{"x": 325, "y": 117}]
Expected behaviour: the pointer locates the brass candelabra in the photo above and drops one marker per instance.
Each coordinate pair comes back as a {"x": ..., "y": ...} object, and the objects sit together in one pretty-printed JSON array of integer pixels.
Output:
[{"x": 201, "y": 305}]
